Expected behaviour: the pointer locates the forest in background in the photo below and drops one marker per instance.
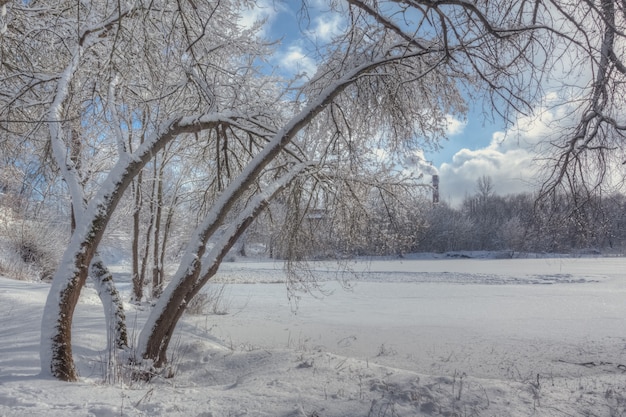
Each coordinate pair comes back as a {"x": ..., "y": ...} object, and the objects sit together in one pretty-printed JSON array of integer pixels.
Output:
[{"x": 35, "y": 227}]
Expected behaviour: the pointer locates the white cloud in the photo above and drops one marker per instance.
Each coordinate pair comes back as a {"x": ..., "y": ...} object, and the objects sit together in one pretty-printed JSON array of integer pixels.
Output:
[
  {"x": 512, "y": 171},
  {"x": 510, "y": 159},
  {"x": 412, "y": 164},
  {"x": 529, "y": 131},
  {"x": 454, "y": 125},
  {"x": 262, "y": 11},
  {"x": 515, "y": 159},
  {"x": 294, "y": 60},
  {"x": 326, "y": 26}
]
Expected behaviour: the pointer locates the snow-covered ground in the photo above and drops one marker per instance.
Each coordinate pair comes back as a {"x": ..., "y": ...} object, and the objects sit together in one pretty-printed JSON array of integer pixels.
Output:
[{"x": 411, "y": 337}]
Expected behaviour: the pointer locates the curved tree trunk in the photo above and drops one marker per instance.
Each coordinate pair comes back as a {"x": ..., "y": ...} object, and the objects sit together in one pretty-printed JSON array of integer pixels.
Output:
[
  {"x": 165, "y": 324},
  {"x": 56, "y": 326},
  {"x": 154, "y": 337},
  {"x": 157, "y": 333},
  {"x": 56, "y": 341}
]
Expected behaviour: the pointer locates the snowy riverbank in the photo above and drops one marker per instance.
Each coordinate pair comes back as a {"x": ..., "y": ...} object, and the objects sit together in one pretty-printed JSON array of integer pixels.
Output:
[{"x": 411, "y": 337}]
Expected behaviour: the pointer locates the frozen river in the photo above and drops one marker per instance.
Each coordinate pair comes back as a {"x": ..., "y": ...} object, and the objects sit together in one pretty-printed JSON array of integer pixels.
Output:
[{"x": 490, "y": 318}]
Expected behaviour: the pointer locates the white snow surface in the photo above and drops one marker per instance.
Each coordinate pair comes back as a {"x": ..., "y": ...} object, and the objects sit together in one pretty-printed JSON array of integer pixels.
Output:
[{"x": 410, "y": 337}]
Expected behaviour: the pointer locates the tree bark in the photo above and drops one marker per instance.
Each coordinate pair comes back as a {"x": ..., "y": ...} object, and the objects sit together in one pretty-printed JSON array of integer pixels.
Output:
[
  {"x": 112, "y": 303},
  {"x": 157, "y": 283},
  {"x": 149, "y": 235},
  {"x": 136, "y": 277}
]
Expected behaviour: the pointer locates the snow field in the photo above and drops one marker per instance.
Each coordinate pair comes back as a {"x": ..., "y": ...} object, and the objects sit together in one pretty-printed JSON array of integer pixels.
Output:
[{"x": 412, "y": 338}]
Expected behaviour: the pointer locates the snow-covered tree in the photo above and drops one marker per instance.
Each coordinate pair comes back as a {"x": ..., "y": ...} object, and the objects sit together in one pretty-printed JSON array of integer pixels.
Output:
[
  {"x": 112, "y": 84},
  {"x": 103, "y": 78},
  {"x": 587, "y": 153}
]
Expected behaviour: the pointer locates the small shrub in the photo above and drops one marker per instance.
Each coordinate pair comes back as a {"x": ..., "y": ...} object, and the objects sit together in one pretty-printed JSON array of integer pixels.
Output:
[
  {"x": 12, "y": 266},
  {"x": 212, "y": 301},
  {"x": 31, "y": 249},
  {"x": 198, "y": 304},
  {"x": 386, "y": 351}
]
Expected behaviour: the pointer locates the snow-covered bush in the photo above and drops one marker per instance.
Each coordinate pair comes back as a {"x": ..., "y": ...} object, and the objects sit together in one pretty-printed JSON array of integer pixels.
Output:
[
  {"x": 29, "y": 250},
  {"x": 210, "y": 301}
]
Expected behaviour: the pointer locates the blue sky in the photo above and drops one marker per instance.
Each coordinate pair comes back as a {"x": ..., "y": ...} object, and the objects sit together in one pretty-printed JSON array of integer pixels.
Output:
[{"x": 473, "y": 148}]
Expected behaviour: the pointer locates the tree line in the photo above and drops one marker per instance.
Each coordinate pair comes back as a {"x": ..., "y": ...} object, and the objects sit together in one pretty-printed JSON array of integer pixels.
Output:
[{"x": 483, "y": 221}]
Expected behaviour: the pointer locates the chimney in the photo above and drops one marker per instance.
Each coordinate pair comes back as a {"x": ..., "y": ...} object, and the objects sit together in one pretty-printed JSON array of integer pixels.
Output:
[{"x": 435, "y": 189}]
